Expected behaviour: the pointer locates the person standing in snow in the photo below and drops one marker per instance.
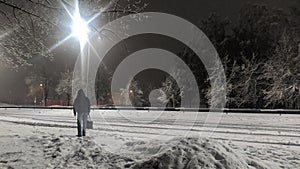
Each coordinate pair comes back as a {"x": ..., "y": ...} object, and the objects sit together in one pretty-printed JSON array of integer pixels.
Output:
[{"x": 82, "y": 108}]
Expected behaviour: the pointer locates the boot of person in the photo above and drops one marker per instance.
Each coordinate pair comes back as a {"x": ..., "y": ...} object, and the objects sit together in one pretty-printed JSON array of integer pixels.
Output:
[
  {"x": 78, "y": 128},
  {"x": 83, "y": 132}
]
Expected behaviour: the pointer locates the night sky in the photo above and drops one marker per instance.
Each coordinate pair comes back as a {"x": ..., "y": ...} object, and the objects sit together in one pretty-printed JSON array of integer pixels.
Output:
[{"x": 195, "y": 10}]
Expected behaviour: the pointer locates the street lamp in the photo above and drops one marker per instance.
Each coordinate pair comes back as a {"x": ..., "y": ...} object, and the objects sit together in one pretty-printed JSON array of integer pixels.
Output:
[
  {"x": 42, "y": 88},
  {"x": 80, "y": 28},
  {"x": 131, "y": 91}
]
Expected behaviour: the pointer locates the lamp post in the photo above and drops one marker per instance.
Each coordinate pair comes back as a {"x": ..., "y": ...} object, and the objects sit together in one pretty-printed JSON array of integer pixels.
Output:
[
  {"x": 43, "y": 94},
  {"x": 173, "y": 100}
]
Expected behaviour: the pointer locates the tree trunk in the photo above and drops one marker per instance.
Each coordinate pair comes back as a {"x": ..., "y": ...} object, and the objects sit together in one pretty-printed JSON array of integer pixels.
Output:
[
  {"x": 45, "y": 101},
  {"x": 299, "y": 49},
  {"x": 68, "y": 99},
  {"x": 45, "y": 92}
]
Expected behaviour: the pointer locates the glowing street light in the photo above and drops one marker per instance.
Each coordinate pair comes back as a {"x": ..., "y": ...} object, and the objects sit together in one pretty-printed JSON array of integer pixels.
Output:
[
  {"x": 80, "y": 28},
  {"x": 43, "y": 93}
]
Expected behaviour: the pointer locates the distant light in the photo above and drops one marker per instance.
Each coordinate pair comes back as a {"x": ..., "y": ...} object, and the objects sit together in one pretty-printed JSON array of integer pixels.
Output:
[
  {"x": 41, "y": 85},
  {"x": 80, "y": 28},
  {"x": 130, "y": 91}
]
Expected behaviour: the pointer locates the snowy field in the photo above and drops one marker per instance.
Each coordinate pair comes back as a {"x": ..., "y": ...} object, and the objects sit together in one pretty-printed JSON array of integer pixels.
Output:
[{"x": 143, "y": 139}]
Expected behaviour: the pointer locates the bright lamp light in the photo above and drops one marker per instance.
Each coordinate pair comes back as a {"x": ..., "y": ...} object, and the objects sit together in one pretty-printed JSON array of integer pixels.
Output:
[{"x": 80, "y": 28}]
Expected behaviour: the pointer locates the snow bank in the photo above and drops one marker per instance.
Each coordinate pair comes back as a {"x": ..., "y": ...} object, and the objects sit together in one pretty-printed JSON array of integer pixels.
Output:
[
  {"x": 74, "y": 152},
  {"x": 60, "y": 152},
  {"x": 194, "y": 153}
]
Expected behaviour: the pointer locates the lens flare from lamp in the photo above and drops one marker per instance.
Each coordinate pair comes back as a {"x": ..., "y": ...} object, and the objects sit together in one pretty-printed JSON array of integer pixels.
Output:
[{"x": 80, "y": 28}]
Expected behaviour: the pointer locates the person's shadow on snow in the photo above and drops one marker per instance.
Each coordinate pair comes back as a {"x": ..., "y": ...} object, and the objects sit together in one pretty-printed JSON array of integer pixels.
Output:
[{"x": 82, "y": 108}]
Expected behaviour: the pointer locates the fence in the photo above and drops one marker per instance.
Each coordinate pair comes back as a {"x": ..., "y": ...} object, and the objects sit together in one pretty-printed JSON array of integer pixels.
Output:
[{"x": 224, "y": 110}]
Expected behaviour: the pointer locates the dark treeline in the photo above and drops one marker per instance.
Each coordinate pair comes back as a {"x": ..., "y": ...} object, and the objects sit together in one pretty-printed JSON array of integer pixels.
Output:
[{"x": 260, "y": 53}]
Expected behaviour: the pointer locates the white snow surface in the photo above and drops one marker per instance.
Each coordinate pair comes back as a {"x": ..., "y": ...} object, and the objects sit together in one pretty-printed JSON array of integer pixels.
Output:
[{"x": 148, "y": 139}]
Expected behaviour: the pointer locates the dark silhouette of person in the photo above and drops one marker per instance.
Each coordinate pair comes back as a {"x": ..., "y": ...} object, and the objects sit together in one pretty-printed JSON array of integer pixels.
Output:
[{"x": 82, "y": 108}]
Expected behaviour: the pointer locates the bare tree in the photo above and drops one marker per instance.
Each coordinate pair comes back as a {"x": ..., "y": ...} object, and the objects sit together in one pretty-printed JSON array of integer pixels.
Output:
[
  {"x": 135, "y": 93},
  {"x": 103, "y": 80},
  {"x": 28, "y": 26},
  {"x": 64, "y": 86},
  {"x": 38, "y": 87},
  {"x": 171, "y": 92},
  {"x": 283, "y": 73},
  {"x": 241, "y": 83}
]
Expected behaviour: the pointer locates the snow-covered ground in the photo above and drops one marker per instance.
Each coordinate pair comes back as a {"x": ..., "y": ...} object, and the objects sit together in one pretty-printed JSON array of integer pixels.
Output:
[{"x": 143, "y": 139}]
